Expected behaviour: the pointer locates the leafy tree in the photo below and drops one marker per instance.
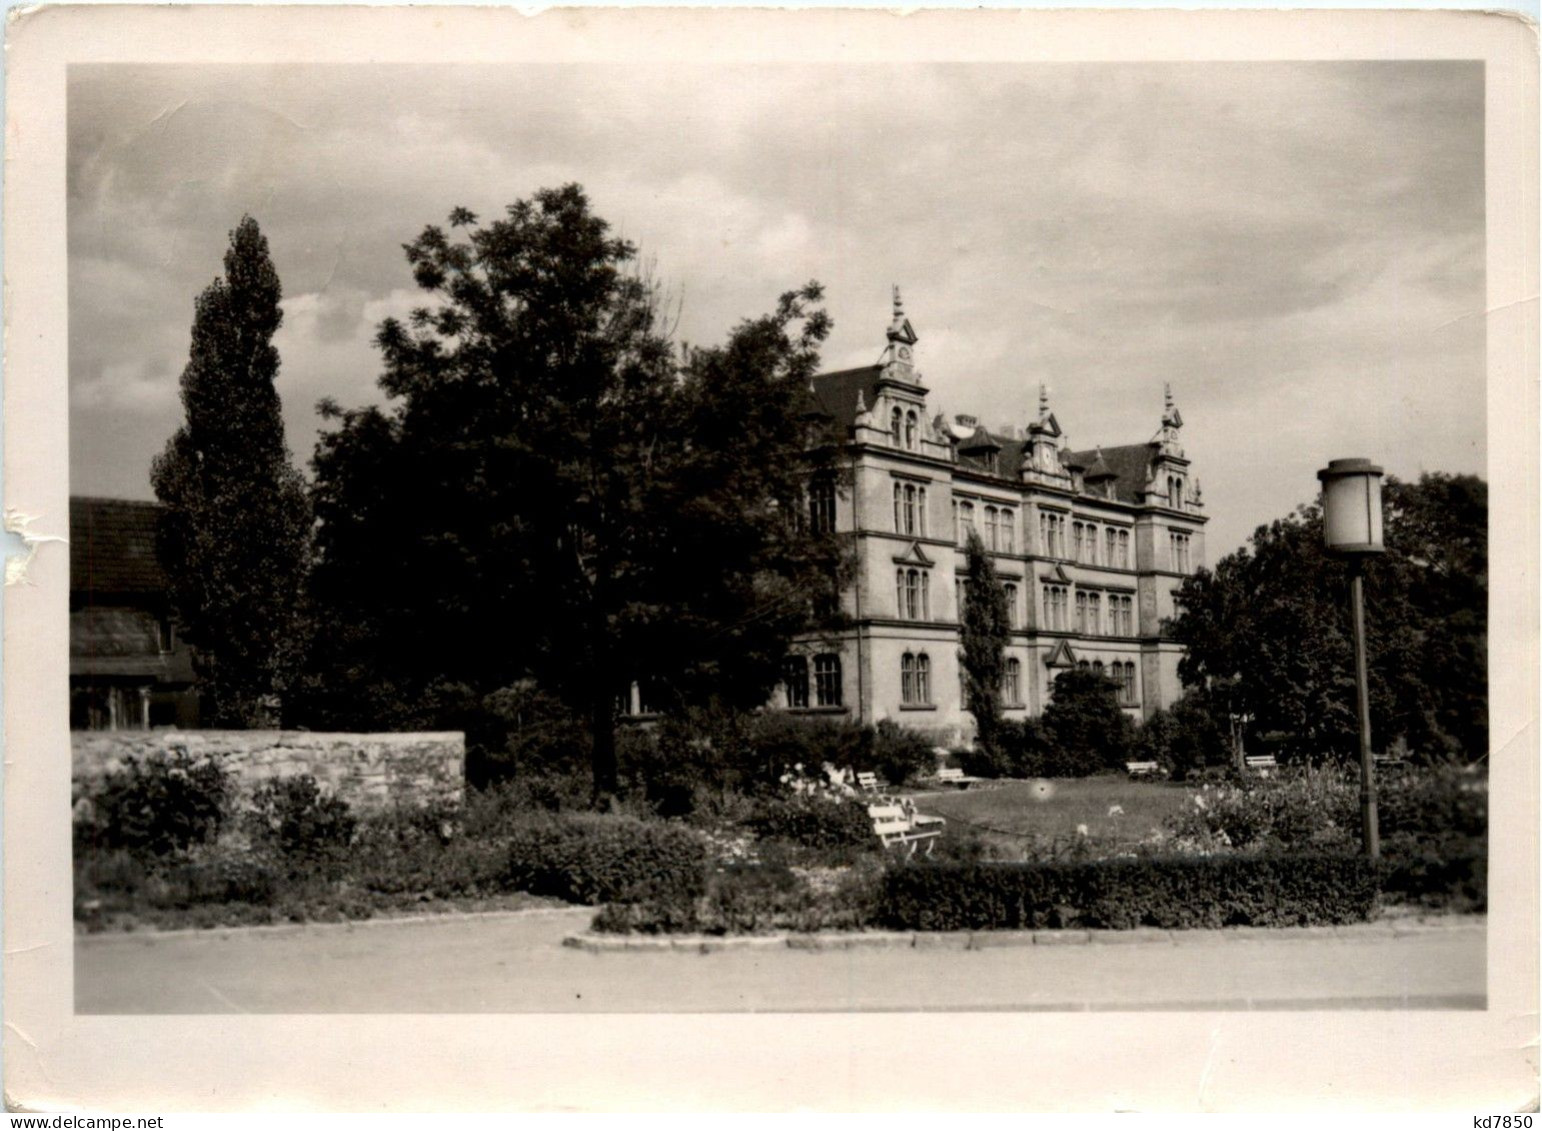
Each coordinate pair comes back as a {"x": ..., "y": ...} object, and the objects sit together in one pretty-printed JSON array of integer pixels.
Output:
[
  {"x": 234, "y": 538},
  {"x": 1269, "y": 627},
  {"x": 1084, "y": 728},
  {"x": 1188, "y": 736},
  {"x": 984, "y": 633},
  {"x": 555, "y": 494}
]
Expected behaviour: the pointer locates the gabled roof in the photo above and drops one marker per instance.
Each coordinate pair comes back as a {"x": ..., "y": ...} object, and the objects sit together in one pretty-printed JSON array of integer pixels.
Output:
[
  {"x": 112, "y": 546},
  {"x": 1061, "y": 656},
  {"x": 836, "y": 393},
  {"x": 1130, "y": 465}
]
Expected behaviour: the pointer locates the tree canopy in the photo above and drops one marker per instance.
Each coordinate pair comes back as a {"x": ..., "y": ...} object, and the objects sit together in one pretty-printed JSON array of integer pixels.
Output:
[
  {"x": 234, "y": 537},
  {"x": 1269, "y": 627},
  {"x": 555, "y": 493},
  {"x": 984, "y": 632}
]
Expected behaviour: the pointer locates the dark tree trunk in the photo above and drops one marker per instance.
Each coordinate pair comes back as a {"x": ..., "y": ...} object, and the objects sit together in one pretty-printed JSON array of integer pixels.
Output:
[{"x": 602, "y": 728}]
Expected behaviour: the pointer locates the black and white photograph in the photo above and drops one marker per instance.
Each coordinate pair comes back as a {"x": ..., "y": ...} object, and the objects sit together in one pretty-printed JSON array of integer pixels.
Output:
[{"x": 737, "y": 531}]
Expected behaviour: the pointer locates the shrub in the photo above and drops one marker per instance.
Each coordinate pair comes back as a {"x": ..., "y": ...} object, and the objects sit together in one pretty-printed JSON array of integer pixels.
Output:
[
  {"x": 1450, "y": 874},
  {"x": 594, "y": 857},
  {"x": 306, "y": 827},
  {"x": 525, "y": 730},
  {"x": 897, "y": 753},
  {"x": 1186, "y": 738},
  {"x": 157, "y": 806},
  {"x": 818, "y": 821},
  {"x": 1086, "y": 730},
  {"x": 1020, "y": 750},
  {"x": 217, "y": 874},
  {"x": 1173, "y": 892}
]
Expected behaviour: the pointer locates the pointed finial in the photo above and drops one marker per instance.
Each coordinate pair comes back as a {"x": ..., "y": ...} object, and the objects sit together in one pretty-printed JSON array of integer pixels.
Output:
[
  {"x": 861, "y": 403},
  {"x": 1167, "y": 395},
  {"x": 1043, "y": 401},
  {"x": 899, "y": 307}
]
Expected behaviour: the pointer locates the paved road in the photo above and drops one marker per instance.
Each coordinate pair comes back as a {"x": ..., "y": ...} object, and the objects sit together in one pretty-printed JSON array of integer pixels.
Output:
[{"x": 515, "y": 962}]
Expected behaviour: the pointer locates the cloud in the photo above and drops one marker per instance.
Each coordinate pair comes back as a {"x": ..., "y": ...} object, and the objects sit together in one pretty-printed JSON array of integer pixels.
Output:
[{"x": 1297, "y": 248}]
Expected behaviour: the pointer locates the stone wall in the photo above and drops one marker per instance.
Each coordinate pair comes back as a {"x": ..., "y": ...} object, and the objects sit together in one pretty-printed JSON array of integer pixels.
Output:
[{"x": 368, "y": 771}]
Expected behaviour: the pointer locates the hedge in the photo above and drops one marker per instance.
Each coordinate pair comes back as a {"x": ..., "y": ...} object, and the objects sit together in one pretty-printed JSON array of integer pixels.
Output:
[
  {"x": 1173, "y": 892},
  {"x": 593, "y": 857},
  {"x": 749, "y": 900}
]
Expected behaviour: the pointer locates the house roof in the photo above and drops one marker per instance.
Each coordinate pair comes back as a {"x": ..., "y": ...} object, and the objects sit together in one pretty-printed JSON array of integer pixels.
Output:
[
  {"x": 112, "y": 546},
  {"x": 1129, "y": 463},
  {"x": 119, "y": 641},
  {"x": 836, "y": 393}
]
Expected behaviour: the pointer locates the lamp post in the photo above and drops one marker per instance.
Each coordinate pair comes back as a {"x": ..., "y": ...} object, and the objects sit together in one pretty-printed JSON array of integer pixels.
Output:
[{"x": 1351, "y": 522}]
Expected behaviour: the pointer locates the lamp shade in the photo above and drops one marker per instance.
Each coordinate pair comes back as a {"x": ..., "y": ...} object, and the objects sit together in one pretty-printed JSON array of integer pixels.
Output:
[{"x": 1351, "y": 507}]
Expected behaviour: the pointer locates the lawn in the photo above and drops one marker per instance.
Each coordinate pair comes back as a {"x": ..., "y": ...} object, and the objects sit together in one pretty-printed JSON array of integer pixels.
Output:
[{"x": 1114, "y": 810}]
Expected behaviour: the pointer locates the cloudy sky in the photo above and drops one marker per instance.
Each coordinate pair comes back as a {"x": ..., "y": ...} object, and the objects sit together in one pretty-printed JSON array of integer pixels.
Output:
[{"x": 1297, "y": 248}]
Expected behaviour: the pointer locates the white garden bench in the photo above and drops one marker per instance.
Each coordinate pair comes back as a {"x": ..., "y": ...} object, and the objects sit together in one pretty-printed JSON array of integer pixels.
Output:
[
  {"x": 1263, "y": 765},
  {"x": 897, "y": 823},
  {"x": 867, "y": 782},
  {"x": 1143, "y": 769},
  {"x": 953, "y": 776}
]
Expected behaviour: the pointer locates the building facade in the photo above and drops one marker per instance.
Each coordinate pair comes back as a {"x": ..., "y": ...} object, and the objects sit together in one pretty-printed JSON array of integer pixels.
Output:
[
  {"x": 1091, "y": 547},
  {"x": 129, "y": 669}
]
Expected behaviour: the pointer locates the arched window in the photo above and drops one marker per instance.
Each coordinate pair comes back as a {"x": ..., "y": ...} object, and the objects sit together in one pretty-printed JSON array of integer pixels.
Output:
[
  {"x": 911, "y": 420},
  {"x": 1084, "y": 665},
  {"x": 795, "y": 681},
  {"x": 895, "y": 419},
  {"x": 899, "y": 593},
  {"x": 1012, "y": 682},
  {"x": 923, "y": 678},
  {"x": 908, "y": 679},
  {"x": 899, "y": 508},
  {"x": 1095, "y": 614},
  {"x": 1007, "y": 522},
  {"x": 990, "y": 528},
  {"x": 965, "y": 521},
  {"x": 821, "y": 505},
  {"x": 913, "y": 594},
  {"x": 1097, "y": 667},
  {"x": 910, "y": 508},
  {"x": 921, "y": 511},
  {"x": 827, "y": 680},
  {"x": 1011, "y": 592}
]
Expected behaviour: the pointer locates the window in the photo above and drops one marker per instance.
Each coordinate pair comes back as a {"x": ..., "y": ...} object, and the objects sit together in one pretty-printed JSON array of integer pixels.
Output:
[
  {"x": 965, "y": 521},
  {"x": 1055, "y": 607},
  {"x": 1081, "y": 612},
  {"x": 1076, "y": 540},
  {"x": 1052, "y": 534},
  {"x": 1090, "y": 545},
  {"x": 821, "y": 505},
  {"x": 1012, "y": 682},
  {"x": 166, "y": 634},
  {"x": 795, "y": 680},
  {"x": 909, "y": 509},
  {"x": 1095, "y": 614},
  {"x": 827, "y": 680},
  {"x": 1011, "y": 592},
  {"x": 1179, "y": 544},
  {"x": 1175, "y": 492},
  {"x": 895, "y": 425},
  {"x": 1121, "y": 615},
  {"x": 915, "y": 680},
  {"x": 910, "y": 429},
  {"x": 913, "y": 593},
  {"x": 1116, "y": 548},
  {"x": 1006, "y": 520},
  {"x": 1126, "y": 678},
  {"x": 990, "y": 528}
]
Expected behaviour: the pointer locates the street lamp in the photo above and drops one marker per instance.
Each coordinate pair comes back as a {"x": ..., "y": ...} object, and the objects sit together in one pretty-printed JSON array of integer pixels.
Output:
[{"x": 1351, "y": 524}]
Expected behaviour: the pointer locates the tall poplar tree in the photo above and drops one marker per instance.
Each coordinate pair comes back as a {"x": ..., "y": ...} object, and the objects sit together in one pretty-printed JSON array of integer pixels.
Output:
[
  {"x": 984, "y": 634},
  {"x": 234, "y": 538}
]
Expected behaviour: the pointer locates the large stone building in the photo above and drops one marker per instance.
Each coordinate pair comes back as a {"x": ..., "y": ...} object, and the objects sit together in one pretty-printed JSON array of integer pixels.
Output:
[{"x": 1090, "y": 546}]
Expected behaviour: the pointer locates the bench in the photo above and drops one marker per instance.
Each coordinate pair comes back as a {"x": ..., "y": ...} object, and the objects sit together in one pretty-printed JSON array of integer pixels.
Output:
[
  {"x": 897, "y": 823},
  {"x": 955, "y": 776},
  {"x": 1143, "y": 769},
  {"x": 1261, "y": 764},
  {"x": 867, "y": 782}
]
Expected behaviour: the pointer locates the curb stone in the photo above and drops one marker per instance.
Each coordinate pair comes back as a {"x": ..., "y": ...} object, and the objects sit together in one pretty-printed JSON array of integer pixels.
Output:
[
  {"x": 1061, "y": 938},
  {"x": 1137, "y": 935},
  {"x": 983, "y": 940},
  {"x": 942, "y": 940}
]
